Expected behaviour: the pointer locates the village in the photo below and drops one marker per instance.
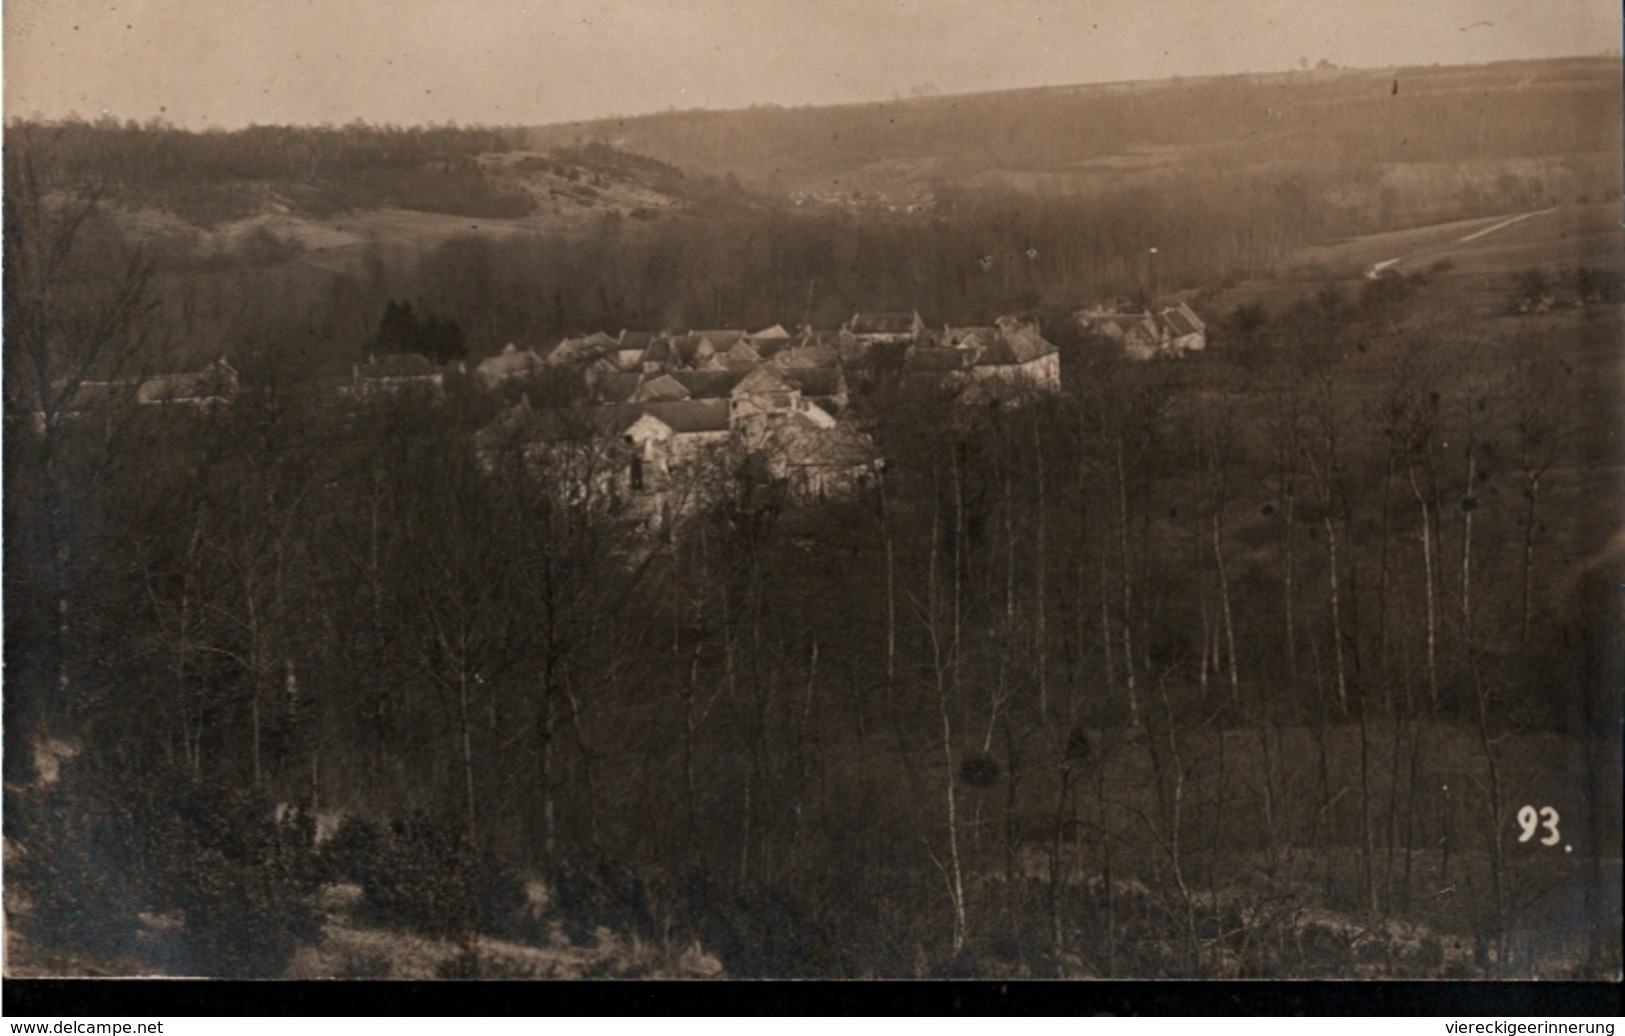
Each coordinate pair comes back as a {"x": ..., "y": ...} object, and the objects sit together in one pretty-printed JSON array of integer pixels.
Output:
[
  {"x": 666, "y": 414},
  {"x": 1049, "y": 529}
]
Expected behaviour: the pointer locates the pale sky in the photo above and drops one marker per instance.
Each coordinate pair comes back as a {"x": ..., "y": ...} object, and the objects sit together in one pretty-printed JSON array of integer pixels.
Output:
[{"x": 230, "y": 63}]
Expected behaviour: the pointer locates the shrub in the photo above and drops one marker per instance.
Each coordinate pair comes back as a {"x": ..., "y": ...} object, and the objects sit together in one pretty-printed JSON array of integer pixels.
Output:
[
  {"x": 353, "y": 851},
  {"x": 79, "y": 868},
  {"x": 100, "y": 850},
  {"x": 244, "y": 884},
  {"x": 423, "y": 877}
]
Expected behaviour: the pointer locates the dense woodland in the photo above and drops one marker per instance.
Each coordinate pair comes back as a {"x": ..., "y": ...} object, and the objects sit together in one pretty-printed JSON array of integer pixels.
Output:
[{"x": 1243, "y": 665}]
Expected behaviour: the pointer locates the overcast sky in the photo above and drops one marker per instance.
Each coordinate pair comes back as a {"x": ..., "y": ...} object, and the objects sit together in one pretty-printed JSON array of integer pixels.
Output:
[{"x": 229, "y": 63}]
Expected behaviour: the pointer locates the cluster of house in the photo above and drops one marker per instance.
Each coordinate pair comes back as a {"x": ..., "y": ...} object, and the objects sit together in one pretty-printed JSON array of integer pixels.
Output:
[
  {"x": 1144, "y": 333},
  {"x": 667, "y": 412}
]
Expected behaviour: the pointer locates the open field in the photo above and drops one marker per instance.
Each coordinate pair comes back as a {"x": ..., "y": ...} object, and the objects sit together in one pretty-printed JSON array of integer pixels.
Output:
[{"x": 1567, "y": 236}]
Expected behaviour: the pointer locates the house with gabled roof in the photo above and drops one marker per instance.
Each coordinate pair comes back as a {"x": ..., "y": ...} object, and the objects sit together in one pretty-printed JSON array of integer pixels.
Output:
[
  {"x": 743, "y": 356},
  {"x": 825, "y": 386},
  {"x": 630, "y": 348},
  {"x": 394, "y": 374},
  {"x": 764, "y": 391},
  {"x": 806, "y": 354},
  {"x": 512, "y": 363},
  {"x": 768, "y": 334},
  {"x": 1171, "y": 331},
  {"x": 721, "y": 341},
  {"x": 707, "y": 384},
  {"x": 874, "y": 328},
  {"x": 660, "y": 355},
  {"x": 812, "y": 453},
  {"x": 659, "y": 388},
  {"x": 937, "y": 360},
  {"x": 1183, "y": 330},
  {"x": 215, "y": 385},
  {"x": 583, "y": 349},
  {"x": 1012, "y": 351},
  {"x": 1020, "y": 357}
]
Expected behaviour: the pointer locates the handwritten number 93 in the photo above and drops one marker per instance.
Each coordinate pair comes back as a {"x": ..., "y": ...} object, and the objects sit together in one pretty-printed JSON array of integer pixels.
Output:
[{"x": 1531, "y": 820}]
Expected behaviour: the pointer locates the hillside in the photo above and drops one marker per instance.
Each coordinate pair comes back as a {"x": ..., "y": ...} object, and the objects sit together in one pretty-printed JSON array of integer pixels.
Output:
[
  {"x": 1384, "y": 144},
  {"x": 266, "y": 193}
]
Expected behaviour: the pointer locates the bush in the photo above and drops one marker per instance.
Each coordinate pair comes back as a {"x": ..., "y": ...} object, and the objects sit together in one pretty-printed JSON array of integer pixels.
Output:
[
  {"x": 79, "y": 868},
  {"x": 424, "y": 878},
  {"x": 100, "y": 850},
  {"x": 244, "y": 884},
  {"x": 353, "y": 852}
]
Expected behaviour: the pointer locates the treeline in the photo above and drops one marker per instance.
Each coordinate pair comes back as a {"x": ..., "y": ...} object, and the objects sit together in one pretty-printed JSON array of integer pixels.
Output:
[
  {"x": 1165, "y": 676},
  {"x": 218, "y": 175},
  {"x": 981, "y": 252}
]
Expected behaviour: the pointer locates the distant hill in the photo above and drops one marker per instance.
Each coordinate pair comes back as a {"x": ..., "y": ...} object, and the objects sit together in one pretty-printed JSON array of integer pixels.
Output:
[
  {"x": 1363, "y": 132},
  {"x": 307, "y": 184}
]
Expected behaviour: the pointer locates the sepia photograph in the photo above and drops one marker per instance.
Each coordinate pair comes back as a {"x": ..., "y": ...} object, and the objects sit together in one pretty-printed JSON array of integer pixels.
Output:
[{"x": 772, "y": 489}]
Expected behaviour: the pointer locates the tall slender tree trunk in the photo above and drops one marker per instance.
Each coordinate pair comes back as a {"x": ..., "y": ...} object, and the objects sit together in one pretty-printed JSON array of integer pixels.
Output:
[
  {"x": 1229, "y": 620},
  {"x": 1128, "y": 592},
  {"x": 1425, "y": 535},
  {"x": 466, "y": 743}
]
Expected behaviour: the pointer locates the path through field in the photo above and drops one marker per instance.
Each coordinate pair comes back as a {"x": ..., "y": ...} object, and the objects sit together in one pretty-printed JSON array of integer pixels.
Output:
[{"x": 1377, "y": 268}]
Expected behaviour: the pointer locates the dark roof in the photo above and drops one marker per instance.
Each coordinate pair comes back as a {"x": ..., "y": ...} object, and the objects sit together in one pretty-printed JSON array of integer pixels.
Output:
[
  {"x": 695, "y": 349},
  {"x": 883, "y": 323},
  {"x": 996, "y": 355},
  {"x": 967, "y": 337},
  {"x": 935, "y": 359},
  {"x": 684, "y": 416},
  {"x": 821, "y": 381},
  {"x": 807, "y": 357},
  {"x": 743, "y": 355},
  {"x": 1182, "y": 321},
  {"x": 766, "y": 378},
  {"x": 661, "y": 350},
  {"x": 636, "y": 339},
  {"x": 768, "y": 348},
  {"x": 1022, "y": 345},
  {"x": 1122, "y": 321},
  {"x": 708, "y": 384},
  {"x": 721, "y": 341},
  {"x": 660, "y": 388}
]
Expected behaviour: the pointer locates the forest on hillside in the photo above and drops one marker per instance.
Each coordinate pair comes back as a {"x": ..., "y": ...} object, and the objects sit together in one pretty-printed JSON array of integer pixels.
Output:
[{"x": 1300, "y": 659}]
